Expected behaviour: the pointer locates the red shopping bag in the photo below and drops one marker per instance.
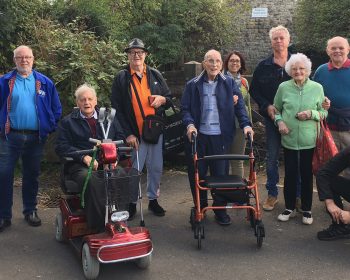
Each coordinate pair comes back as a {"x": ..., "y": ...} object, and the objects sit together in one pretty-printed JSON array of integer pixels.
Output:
[{"x": 325, "y": 147}]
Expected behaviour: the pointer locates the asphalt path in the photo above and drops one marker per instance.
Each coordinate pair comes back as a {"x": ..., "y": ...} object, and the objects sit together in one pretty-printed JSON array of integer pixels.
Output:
[{"x": 289, "y": 251}]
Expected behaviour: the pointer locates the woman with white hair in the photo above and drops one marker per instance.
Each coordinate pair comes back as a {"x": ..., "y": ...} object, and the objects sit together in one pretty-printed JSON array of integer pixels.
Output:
[{"x": 299, "y": 105}]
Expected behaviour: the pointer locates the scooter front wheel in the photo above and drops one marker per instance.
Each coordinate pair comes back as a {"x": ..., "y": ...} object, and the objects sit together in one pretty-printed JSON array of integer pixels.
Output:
[
  {"x": 144, "y": 262},
  {"x": 91, "y": 266}
]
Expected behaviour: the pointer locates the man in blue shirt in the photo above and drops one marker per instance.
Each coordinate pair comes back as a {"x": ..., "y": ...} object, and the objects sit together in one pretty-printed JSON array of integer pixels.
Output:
[
  {"x": 29, "y": 110},
  {"x": 334, "y": 76},
  {"x": 209, "y": 111}
]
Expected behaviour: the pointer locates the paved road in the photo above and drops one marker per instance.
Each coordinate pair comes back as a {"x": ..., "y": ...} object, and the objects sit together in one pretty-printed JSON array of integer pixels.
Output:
[{"x": 290, "y": 250}]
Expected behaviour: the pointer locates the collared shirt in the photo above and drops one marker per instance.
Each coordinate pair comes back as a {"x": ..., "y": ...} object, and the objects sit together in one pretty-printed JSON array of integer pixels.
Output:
[
  {"x": 210, "y": 122},
  {"x": 345, "y": 65},
  {"x": 23, "y": 114}
]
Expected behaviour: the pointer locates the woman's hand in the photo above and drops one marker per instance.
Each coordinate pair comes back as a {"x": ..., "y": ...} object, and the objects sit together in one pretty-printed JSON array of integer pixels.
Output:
[
  {"x": 304, "y": 115},
  {"x": 282, "y": 128}
]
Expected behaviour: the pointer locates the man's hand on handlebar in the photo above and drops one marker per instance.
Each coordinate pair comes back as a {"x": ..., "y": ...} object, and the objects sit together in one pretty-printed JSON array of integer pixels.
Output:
[
  {"x": 87, "y": 160},
  {"x": 191, "y": 129},
  {"x": 248, "y": 130},
  {"x": 133, "y": 141}
]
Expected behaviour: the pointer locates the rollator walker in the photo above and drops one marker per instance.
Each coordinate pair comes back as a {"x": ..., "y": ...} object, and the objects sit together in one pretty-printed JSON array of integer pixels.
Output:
[{"x": 241, "y": 193}]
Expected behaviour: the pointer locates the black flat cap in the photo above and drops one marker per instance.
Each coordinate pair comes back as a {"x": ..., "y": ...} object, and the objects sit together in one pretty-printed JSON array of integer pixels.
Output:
[{"x": 136, "y": 43}]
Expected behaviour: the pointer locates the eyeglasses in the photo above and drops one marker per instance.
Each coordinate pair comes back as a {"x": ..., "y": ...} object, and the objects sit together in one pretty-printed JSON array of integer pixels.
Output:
[
  {"x": 24, "y": 57},
  {"x": 213, "y": 62},
  {"x": 234, "y": 61},
  {"x": 134, "y": 53}
]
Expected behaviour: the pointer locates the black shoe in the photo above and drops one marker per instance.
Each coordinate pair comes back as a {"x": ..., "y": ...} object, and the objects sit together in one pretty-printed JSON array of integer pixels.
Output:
[
  {"x": 334, "y": 232},
  {"x": 33, "y": 219},
  {"x": 156, "y": 208},
  {"x": 132, "y": 211},
  {"x": 222, "y": 218},
  {"x": 4, "y": 223}
]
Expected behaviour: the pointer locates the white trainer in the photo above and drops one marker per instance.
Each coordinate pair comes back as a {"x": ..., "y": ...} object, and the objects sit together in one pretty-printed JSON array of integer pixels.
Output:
[
  {"x": 286, "y": 214},
  {"x": 307, "y": 218}
]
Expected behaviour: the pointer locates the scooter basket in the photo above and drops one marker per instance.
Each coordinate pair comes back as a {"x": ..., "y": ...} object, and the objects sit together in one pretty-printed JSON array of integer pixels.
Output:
[{"x": 122, "y": 186}]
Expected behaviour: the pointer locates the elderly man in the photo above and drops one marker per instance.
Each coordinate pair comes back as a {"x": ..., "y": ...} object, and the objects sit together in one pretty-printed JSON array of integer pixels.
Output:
[
  {"x": 29, "y": 110},
  {"x": 334, "y": 76},
  {"x": 139, "y": 91},
  {"x": 74, "y": 132},
  {"x": 268, "y": 75},
  {"x": 208, "y": 110}
]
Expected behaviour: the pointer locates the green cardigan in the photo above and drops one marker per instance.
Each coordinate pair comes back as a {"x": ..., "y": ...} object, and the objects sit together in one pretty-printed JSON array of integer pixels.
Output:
[{"x": 291, "y": 99}]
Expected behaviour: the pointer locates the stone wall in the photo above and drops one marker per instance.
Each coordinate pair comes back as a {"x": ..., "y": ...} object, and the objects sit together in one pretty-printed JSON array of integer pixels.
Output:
[{"x": 253, "y": 40}]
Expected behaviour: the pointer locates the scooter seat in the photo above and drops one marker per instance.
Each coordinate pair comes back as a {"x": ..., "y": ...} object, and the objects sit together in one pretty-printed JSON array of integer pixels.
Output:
[{"x": 228, "y": 181}]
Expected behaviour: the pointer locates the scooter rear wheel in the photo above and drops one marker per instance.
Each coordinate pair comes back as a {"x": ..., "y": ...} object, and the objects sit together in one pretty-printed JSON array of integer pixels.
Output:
[
  {"x": 91, "y": 266},
  {"x": 59, "y": 227}
]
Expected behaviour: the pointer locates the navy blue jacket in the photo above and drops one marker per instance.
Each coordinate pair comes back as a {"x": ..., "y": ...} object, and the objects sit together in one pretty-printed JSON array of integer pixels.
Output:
[
  {"x": 226, "y": 88},
  {"x": 267, "y": 77},
  {"x": 74, "y": 133}
]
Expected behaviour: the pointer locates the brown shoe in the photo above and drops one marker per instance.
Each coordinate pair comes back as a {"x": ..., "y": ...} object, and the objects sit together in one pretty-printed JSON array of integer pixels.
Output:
[{"x": 269, "y": 203}]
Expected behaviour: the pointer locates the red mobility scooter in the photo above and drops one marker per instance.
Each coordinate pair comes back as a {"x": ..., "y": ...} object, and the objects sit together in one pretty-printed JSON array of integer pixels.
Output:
[{"x": 118, "y": 242}]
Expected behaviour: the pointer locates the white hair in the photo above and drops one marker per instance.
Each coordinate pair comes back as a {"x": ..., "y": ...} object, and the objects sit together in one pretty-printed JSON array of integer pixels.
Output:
[
  {"x": 278, "y": 28},
  {"x": 83, "y": 88},
  {"x": 21, "y": 47},
  {"x": 298, "y": 57}
]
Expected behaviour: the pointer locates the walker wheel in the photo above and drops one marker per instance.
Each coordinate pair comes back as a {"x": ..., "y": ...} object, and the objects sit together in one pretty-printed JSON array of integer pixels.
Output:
[
  {"x": 192, "y": 217},
  {"x": 199, "y": 235},
  {"x": 260, "y": 233}
]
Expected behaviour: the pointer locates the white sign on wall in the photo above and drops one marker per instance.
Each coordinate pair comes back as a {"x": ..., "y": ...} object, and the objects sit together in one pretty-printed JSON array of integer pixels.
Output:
[{"x": 259, "y": 12}]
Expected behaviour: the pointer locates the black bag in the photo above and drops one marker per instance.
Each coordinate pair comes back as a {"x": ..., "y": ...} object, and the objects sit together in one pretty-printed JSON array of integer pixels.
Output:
[
  {"x": 173, "y": 131},
  {"x": 152, "y": 128}
]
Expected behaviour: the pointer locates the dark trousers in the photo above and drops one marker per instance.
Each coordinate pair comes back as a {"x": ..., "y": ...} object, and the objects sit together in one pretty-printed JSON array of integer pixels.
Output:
[
  {"x": 95, "y": 194},
  {"x": 295, "y": 162},
  {"x": 340, "y": 188},
  {"x": 206, "y": 145}
]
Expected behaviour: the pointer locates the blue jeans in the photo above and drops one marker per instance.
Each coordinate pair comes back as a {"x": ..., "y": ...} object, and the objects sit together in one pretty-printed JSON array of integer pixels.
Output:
[
  {"x": 29, "y": 148},
  {"x": 273, "y": 143}
]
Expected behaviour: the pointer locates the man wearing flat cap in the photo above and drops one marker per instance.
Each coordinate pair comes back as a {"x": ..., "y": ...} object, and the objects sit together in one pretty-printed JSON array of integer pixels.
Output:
[{"x": 135, "y": 87}]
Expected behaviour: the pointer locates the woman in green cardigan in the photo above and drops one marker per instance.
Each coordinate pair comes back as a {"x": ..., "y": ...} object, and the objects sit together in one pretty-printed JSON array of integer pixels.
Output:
[{"x": 299, "y": 108}]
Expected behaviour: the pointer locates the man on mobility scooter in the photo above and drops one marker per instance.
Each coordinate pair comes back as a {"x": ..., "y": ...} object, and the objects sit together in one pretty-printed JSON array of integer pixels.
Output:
[
  {"x": 93, "y": 214},
  {"x": 209, "y": 111},
  {"x": 74, "y": 132}
]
